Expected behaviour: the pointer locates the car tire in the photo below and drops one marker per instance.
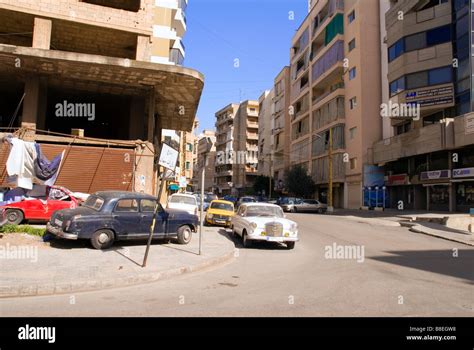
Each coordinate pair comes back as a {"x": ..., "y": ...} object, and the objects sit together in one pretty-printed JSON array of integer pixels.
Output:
[
  {"x": 184, "y": 234},
  {"x": 290, "y": 245},
  {"x": 294, "y": 210},
  {"x": 246, "y": 243},
  {"x": 320, "y": 211},
  {"x": 14, "y": 216},
  {"x": 102, "y": 239}
]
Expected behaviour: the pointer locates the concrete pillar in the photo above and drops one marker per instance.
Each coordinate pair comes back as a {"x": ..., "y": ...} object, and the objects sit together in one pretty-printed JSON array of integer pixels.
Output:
[
  {"x": 34, "y": 104},
  {"x": 137, "y": 118},
  {"x": 42, "y": 33},
  {"x": 151, "y": 123},
  {"x": 143, "y": 52}
]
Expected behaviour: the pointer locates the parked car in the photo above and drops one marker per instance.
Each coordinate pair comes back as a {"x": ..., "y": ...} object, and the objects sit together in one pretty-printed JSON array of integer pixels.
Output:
[
  {"x": 183, "y": 201},
  {"x": 264, "y": 222},
  {"x": 286, "y": 203},
  {"x": 245, "y": 199},
  {"x": 113, "y": 216},
  {"x": 230, "y": 198},
  {"x": 220, "y": 212},
  {"x": 39, "y": 208},
  {"x": 208, "y": 198},
  {"x": 299, "y": 205}
]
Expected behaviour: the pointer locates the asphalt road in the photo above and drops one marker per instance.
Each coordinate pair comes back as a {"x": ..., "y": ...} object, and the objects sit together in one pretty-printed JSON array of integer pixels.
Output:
[{"x": 401, "y": 274}]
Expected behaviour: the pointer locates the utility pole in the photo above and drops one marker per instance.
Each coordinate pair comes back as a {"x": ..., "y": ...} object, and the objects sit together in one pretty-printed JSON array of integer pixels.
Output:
[
  {"x": 203, "y": 179},
  {"x": 330, "y": 199},
  {"x": 270, "y": 176}
]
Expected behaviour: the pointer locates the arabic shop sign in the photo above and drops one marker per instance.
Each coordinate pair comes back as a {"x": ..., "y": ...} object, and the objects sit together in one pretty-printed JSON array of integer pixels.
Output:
[
  {"x": 435, "y": 175},
  {"x": 465, "y": 172}
]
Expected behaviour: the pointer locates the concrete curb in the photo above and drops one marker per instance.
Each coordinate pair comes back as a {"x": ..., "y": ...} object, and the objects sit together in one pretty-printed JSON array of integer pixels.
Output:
[
  {"x": 423, "y": 230},
  {"x": 100, "y": 284}
]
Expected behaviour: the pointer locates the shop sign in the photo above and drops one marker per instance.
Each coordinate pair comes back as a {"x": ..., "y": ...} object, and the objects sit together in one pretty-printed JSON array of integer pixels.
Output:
[
  {"x": 435, "y": 175},
  {"x": 465, "y": 172},
  {"x": 396, "y": 180}
]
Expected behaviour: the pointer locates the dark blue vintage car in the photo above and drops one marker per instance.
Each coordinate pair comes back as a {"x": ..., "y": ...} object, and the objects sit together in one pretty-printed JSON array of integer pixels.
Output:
[{"x": 111, "y": 216}]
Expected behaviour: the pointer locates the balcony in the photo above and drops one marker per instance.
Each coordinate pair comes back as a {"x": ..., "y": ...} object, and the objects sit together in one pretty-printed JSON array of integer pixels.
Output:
[
  {"x": 329, "y": 65},
  {"x": 176, "y": 57},
  {"x": 252, "y": 125},
  {"x": 319, "y": 97},
  {"x": 252, "y": 136},
  {"x": 431, "y": 138}
]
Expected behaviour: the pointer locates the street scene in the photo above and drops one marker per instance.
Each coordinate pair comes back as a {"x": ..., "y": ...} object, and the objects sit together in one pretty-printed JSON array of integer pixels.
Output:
[{"x": 303, "y": 158}]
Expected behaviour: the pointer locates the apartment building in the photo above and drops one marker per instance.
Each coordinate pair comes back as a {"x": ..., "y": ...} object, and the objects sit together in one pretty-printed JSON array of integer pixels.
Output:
[
  {"x": 427, "y": 158},
  {"x": 99, "y": 56},
  {"x": 335, "y": 75},
  {"x": 169, "y": 27},
  {"x": 281, "y": 126},
  {"x": 206, "y": 158},
  {"x": 265, "y": 137},
  {"x": 236, "y": 147}
]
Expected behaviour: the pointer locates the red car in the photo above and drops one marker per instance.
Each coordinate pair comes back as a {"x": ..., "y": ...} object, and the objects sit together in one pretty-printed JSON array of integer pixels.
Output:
[{"x": 40, "y": 209}]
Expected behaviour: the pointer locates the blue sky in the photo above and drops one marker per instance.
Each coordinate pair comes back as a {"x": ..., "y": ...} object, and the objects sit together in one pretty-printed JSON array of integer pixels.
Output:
[{"x": 256, "y": 32}]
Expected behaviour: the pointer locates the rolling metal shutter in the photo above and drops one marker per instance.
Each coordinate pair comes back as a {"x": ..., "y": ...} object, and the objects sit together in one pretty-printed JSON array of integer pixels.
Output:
[{"x": 88, "y": 169}]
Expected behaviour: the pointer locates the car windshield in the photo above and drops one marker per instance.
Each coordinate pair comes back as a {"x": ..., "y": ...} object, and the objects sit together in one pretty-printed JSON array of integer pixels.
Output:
[
  {"x": 264, "y": 210},
  {"x": 222, "y": 206},
  {"x": 209, "y": 197},
  {"x": 286, "y": 200},
  {"x": 183, "y": 200},
  {"x": 94, "y": 202},
  {"x": 247, "y": 200}
]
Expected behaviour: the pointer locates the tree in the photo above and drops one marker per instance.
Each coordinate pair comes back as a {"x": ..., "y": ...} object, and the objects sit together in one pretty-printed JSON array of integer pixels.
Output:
[
  {"x": 298, "y": 182},
  {"x": 262, "y": 183}
]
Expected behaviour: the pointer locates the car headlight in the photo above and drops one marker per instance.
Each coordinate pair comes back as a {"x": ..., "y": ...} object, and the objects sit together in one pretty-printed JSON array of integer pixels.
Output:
[
  {"x": 253, "y": 225},
  {"x": 210, "y": 216}
]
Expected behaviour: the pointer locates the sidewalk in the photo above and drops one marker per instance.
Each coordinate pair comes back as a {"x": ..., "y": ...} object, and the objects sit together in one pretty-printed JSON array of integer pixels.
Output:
[
  {"x": 73, "y": 266},
  {"x": 395, "y": 218}
]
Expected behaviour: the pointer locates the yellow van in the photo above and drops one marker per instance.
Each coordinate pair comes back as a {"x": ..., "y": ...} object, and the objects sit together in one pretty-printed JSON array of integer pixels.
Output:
[{"x": 220, "y": 212}]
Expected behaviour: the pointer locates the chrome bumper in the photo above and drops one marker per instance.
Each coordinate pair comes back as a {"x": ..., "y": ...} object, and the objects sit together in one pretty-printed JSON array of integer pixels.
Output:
[{"x": 59, "y": 232}]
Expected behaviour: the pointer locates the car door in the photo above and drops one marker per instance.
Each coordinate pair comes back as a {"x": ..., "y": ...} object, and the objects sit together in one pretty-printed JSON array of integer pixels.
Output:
[
  {"x": 311, "y": 205},
  {"x": 237, "y": 220},
  {"x": 147, "y": 208},
  {"x": 300, "y": 204},
  {"x": 127, "y": 218}
]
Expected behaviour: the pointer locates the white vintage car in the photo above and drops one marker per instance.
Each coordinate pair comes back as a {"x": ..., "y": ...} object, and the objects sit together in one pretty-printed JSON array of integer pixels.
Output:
[{"x": 264, "y": 222}]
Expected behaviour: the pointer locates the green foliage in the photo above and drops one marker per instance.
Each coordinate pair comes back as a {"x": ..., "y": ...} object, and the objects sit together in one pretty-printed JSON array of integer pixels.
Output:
[
  {"x": 23, "y": 229},
  {"x": 262, "y": 183},
  {"x": 299, "y": 183}
]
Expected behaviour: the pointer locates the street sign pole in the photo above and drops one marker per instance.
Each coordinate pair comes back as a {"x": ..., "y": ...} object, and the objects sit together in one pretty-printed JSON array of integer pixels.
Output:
[{"x": 203, "y": 177}]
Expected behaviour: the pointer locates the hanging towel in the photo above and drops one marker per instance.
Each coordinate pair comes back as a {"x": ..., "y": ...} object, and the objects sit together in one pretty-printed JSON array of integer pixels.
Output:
[{"x": 20, "y": 163}]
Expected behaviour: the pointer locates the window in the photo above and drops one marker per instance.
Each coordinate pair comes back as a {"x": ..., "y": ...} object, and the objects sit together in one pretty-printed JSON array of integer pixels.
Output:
[
  {"x": 402, "y": 128},
  {"x": 415, "y": 41},
  {"x": 353, "y": 163},
  {"x": 188, "y": 165},
  {"x": 439, "y": 76},
  {"x": 277, "y": 139},
  {"x": 416, "y": 80},
  {"x": 351, "y": 16},
  {"x": 352, "y": 132},
  {"x": 397, "y": 86},
  {"x": 189, "y": 147},
  {"x": 353, "y": 103},
  {"x": 147, "y": 205},
  {"x": 396, "y": 50},
  {"x": 127, "y": 205},
  {"x": 352, "y": 45},
  {"x": 439, "y": 35},
  {"x": 352, "y": 73}
]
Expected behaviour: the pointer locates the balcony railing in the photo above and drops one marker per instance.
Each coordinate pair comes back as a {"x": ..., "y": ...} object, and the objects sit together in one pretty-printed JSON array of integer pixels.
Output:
[{"x": 176, "y": 57}]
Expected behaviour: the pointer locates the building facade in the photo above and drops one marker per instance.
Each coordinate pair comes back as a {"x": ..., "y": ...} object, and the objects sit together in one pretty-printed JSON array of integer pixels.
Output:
[
  {"x": 335, "y": 75},
  {"x": 427, "y": 156},
  {"x": 88, "y": 68},
  {"x": 281, "y": 126},
  {"x": 265, "y": 137},
  {"x": 236, "y": 147},
  {"x": 206, "y": 159}
]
